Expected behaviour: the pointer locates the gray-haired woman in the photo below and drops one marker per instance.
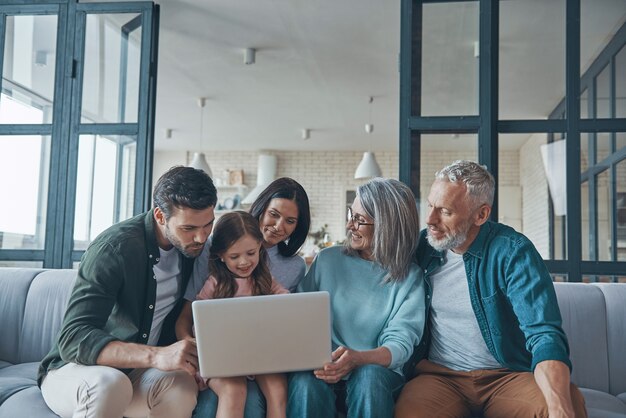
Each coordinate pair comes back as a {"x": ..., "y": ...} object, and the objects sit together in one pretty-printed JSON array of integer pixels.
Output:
[{"x": 377, "y": 303}]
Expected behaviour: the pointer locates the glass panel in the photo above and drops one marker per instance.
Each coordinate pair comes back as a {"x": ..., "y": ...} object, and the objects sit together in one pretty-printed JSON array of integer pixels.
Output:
[
  {"x": 509, "y": 186},
  {"x": 599, "y": 21},
  {"x": 620, "y": 84},
  {"x": 605, "y": 217},
  {"x": 23, "y": 222},
  {"x": 30, "y": 264},
  {"x": 620, "y": 140},
  {"x": 530, "y": 177},
  {"x": 604, "y": 279},
  {"x": 105, "y": 185},
  {"x": 111, "y": 76},
  {"x": 584, "y": 152},
  {"x": 450, "y": 59},
  {"x": 28, "y": 70},
  {"x": 532, "y": 58},
  {"x": 587, "y": 239},
  {"x": 437, "y": 152},
  {"x": 584, "y": 104},
  {"x": 603, "y": 93},
  {"x": 620, "y": 202},
  {"x": 559, "y": 277},
  {"x": 603, "y": 146}
]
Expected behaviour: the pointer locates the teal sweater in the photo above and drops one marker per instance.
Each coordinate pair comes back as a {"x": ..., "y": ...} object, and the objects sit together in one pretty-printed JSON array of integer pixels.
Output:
[{"x": 366, "y": 312}]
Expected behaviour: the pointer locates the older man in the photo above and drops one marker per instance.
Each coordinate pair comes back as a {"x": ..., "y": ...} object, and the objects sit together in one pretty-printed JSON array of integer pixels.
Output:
[
  {"x": 495, "y": 346},
  {"x": 116, "y": 354}
]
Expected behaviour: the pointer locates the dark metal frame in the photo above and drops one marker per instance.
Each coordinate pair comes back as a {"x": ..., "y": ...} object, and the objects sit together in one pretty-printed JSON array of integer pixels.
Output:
[
  {"x": 488, "y": 126},
  {"x": 66, "y": 127}
]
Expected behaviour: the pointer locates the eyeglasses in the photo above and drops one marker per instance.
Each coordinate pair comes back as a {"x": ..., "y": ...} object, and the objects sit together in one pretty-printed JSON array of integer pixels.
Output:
[{"x": 355, "y": 220}]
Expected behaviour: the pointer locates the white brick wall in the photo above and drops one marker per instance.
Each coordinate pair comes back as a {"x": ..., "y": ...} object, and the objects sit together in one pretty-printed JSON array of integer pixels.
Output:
[
  {"x": 534, "y": 194},
  {"x": 327, "y": 175},
  {"x": 324, "y": 175}
]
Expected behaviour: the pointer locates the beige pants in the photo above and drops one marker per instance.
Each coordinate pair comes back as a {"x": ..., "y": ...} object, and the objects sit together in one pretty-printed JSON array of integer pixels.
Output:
[{"x": 104, "y": 392}]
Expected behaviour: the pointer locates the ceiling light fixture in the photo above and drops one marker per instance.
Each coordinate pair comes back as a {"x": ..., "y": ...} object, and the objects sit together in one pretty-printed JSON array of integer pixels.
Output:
[
  {"x": 249, "y": 56},
  {"x": 199, "y": 160},
  {"x": 368, "y": 167}
]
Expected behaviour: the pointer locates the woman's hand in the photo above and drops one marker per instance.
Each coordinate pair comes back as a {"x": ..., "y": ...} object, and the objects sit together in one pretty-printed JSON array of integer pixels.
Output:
[{"x": 344, "y": 360}]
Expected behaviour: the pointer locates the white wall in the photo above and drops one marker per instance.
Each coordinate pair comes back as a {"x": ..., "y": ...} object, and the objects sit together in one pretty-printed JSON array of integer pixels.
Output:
[
  {"x": 327, "y": 175},
  {"x": 324, "y": 175},
  {"x": 535, "y": 213}
]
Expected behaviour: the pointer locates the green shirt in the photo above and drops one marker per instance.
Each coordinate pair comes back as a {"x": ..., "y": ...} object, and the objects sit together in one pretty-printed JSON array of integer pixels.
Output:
[{"x": 114, "y": 295}]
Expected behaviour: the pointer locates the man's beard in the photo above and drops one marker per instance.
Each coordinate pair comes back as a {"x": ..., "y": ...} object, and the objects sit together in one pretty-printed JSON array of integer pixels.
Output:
[
  {"x": 451, "y": 240},
  {"x": 187, "y": 251}
]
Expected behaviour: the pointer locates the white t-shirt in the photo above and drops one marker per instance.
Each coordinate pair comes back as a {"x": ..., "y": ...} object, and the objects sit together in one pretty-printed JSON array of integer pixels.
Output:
[
  {"x": 456, "y": 340},
  {"x": 168, "y": 278}
]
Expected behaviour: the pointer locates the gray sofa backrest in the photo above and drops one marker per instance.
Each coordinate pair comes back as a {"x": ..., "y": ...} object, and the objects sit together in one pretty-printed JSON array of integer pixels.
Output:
[
  {"x": 32, "y": 308},
  {"x": 615, "y": 297},
  {"x": 33, "y": 301},
  {"x": 594, "y": 319}
]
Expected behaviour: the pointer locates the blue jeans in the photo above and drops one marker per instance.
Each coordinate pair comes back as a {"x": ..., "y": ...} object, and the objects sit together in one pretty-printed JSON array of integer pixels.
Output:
[
  {"x": 370, "y": 392},
  {"x": 255, "y": 403}
]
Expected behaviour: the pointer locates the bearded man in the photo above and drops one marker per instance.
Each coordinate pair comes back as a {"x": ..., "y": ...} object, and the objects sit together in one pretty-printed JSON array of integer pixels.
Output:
[
  {"x": 493, "y": 345},
  {"x": 116, "y": 354}
]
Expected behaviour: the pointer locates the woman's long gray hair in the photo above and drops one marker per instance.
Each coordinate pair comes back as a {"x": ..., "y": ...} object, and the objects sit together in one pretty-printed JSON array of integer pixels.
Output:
[{"x": 396, "y": 225}]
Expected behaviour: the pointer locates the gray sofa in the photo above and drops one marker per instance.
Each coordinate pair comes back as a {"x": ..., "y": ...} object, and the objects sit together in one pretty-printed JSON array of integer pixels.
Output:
[{"x": 32, "y": 302}]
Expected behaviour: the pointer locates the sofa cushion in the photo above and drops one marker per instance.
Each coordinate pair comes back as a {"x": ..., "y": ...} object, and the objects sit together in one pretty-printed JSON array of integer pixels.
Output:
[
  {"x": 26, "y": 403},
  {"x": 603, "y": 403},
  {"x": 16, "y": 378},
  {"x": 615, "y": 296},
  {"x": 14, "y": 285},
  {"x": 45, "y": 306},
  {"x": 584, "y": 321},
  {"x": 23, "y": 370},
  {"x": 9, "y": 386},
  {"x": 599, "y": 413}
]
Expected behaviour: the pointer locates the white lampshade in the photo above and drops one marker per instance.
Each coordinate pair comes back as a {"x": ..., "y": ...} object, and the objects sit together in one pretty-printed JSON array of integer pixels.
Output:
[
  {"x": 199, "y": 161},
  {"x": 368, "y": 167}
]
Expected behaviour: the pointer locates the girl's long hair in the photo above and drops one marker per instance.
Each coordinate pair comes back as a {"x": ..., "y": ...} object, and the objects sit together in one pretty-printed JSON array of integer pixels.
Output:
[{"x": 230, "y": 228}]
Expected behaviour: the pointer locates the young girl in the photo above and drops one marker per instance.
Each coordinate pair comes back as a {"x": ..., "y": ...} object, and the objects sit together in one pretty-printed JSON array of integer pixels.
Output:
[{"x": 238, "y": 267}]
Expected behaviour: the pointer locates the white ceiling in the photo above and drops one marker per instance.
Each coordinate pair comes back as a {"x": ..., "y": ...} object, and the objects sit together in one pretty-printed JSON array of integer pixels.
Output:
[{"x": 318, "y": 61}]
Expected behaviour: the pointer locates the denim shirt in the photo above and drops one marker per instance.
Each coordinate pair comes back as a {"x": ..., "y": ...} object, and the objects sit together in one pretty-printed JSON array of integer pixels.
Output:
[
  {"x": 512, "y": 295},
  {"x": 114, "y": 295}
]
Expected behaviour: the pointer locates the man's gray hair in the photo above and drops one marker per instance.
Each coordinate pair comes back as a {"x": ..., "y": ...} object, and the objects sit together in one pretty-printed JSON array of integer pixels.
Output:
[
  {"x": 391, "y": 204},
  {"x": 479, "y": 182}
]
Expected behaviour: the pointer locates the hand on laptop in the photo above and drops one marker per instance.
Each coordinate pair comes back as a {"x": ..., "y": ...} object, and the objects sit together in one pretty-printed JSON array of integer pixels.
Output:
[
  {"x": 344, "y": 360},
  {"x": 181, "y": 355}
]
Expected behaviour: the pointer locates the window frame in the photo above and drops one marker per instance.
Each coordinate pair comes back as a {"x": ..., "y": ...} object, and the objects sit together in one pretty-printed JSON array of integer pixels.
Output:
[{"x": 67, "y": 127}]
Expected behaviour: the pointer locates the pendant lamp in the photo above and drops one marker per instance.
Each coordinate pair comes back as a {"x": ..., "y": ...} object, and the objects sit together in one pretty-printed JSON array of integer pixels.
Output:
[
  {"x": 368, "y": 167},
  {"x": 198, "y": 160}
]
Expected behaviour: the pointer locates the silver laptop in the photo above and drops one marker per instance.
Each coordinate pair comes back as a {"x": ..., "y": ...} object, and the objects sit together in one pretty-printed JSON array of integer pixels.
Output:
[{"x": 262, "y": 334}]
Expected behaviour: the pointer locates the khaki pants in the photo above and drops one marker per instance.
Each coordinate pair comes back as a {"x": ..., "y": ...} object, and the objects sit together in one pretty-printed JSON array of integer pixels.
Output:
[
  {"x": 104, "y": 392},
  {"x": 440, "y": 392}
]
